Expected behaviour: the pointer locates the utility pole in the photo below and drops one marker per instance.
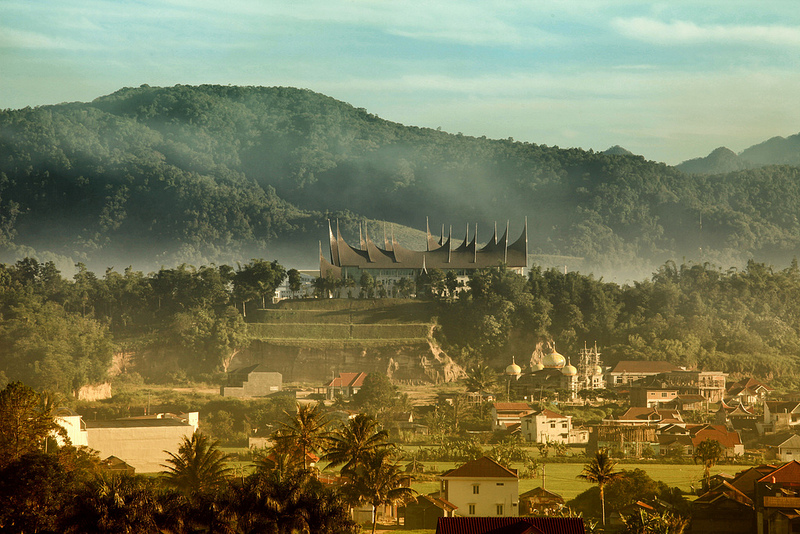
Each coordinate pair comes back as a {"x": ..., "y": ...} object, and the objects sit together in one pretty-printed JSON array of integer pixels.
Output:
[{"x": 543, "y": 466}]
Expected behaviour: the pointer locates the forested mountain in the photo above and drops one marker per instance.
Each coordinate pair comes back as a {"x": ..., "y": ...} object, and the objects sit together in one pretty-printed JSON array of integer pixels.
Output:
[
  {"x": 775, "y": 151},
  {"x": 151, "y": 176}
]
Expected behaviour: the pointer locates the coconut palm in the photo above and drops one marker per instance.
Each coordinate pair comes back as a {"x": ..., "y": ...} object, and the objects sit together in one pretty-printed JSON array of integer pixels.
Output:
[
  {"x": 350, "y": 444},
  {"x": 378, "y": 481},
  {"x": 199, "y": 467},
  {"x": 305, "y": 431},
  {"x": 118, "y": 504},
  {"x": 600, "y": 471}
]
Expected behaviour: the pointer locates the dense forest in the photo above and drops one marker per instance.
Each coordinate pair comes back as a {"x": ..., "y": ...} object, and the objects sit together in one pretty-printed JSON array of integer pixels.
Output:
[
  {"x": 60, "y": 334},
  {"x": 213, "y": 174}
]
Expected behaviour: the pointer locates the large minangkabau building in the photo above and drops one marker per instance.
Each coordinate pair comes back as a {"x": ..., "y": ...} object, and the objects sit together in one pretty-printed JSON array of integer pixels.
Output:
[{"x": 393, "y": 262}]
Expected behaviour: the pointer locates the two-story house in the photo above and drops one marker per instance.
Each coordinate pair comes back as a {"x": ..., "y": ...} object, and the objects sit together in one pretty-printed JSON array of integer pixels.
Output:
[
  {"x": 482, "y": 488},
  {"x": 546, "y": 426}
]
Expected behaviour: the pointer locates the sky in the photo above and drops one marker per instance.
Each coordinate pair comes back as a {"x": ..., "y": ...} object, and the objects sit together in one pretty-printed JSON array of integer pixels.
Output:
[{"x": 670, "y": 81}]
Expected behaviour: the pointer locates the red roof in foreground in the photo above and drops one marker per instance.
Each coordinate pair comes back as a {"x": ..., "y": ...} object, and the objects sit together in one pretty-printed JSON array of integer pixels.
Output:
[
  {"x": 510, "y": 525},
  {"x": 483, "y": 467}
]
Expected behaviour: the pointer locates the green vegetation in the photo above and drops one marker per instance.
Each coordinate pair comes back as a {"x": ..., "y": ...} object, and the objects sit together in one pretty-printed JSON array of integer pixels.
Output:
[{"x": 199, "y": 174}]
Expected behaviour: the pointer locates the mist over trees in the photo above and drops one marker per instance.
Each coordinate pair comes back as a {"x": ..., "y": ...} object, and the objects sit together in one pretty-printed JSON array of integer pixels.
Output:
[{"x": 153, "y": 176}]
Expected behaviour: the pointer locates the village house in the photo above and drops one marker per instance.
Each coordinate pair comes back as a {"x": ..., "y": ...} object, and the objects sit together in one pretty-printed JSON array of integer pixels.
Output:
[
  {"x": 510, "y": 525},
  {"x": 539, "y": 501},
  {"x": 546, "y": 426},
  {"x": 506, "y": 414},
  {"x": 482, "y": 488},
  {"x": 252, "y": 381},
  {"x": 346, "y": 385},
  {"x": 748, "y": 391},
  {"x": 424, "y": 512},
  {"x": 781, "y": 415},
  {"x": 652, "y": 394},
  {"x": 143, "y": 442}
]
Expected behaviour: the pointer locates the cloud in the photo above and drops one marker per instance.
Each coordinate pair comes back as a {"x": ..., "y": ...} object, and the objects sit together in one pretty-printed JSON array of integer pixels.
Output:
[
  {"x": 679, "y": 32},
  {"x": 11, "y": 38}
]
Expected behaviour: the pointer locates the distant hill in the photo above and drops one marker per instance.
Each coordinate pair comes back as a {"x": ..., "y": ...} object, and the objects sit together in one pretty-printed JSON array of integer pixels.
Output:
[
  {"x": 154, "y": 176},
  {"x": 775, "y": 151},
  {"x": 617, "y": 150},
  {"x": 720, "y": 161}
]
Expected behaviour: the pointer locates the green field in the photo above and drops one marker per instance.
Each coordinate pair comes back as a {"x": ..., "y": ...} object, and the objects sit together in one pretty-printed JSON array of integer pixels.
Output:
[{"x": 562, "y": 478}]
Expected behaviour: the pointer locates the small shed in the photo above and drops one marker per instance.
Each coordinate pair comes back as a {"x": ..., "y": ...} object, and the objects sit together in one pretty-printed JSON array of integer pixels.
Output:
[
  {"x": 116, "y": 466},
  {"x": 424, "y": 512},
  {"x": 539, "y": 501}
]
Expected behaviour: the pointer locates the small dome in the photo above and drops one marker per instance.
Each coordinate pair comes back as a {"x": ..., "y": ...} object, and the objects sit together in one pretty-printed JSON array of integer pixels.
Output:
[
  {"x": 569, "y": 370},
  {"x": 598, "y": 370},
  {"x": 513, "y": 369},
  {"x": 538, "y": 367},
  {"x": 554, "y": 360}
]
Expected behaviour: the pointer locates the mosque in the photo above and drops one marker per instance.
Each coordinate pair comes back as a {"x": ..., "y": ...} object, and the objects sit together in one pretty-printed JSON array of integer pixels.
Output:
[{"x": 551, "y": 371}]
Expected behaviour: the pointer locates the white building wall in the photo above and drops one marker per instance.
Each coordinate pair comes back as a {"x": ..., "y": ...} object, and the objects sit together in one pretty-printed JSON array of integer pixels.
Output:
[
  {"x": 73, "y": 426},
  {"x": 543, "y": 429},
  {"x": 142, "y": 447},
  {"x": 491, "y": 493}
]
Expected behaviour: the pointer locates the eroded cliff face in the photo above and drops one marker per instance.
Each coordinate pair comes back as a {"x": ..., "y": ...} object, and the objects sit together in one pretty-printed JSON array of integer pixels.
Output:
[{"x": 413, "y": 362}]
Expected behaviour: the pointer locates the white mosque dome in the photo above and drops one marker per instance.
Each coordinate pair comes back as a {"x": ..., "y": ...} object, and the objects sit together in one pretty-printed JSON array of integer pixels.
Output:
[
  {"x": 569, "y": 370},
  {"x": 554, "y": 360}
]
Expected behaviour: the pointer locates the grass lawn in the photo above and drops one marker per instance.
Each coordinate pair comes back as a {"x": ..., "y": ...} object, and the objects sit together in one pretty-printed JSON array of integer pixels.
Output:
[{"x": 563, "y": 478}]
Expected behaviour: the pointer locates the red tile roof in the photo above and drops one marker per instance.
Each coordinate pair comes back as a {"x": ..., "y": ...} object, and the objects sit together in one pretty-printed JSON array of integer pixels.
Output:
[
  {"x": 344, "y": 380},
  {"x": 510, "y": 525},
  {"x": 788, "y": 472},
  {"x": 483, "y": 467},
  {"x": 512, "y": 406}
]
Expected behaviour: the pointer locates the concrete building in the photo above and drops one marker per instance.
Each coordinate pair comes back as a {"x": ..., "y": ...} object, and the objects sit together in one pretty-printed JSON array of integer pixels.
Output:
[
  {"x": 506, "y": 414},
  {"x": 141, "y": 442},
  {"x": 482, "y": 488},
  {"x": 546, "y": 426},
  {"x": 252, "y": 381}
]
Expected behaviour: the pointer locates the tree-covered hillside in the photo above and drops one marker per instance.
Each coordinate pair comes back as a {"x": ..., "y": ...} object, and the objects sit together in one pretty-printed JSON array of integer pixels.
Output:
[{"x": 152, "y": 176}]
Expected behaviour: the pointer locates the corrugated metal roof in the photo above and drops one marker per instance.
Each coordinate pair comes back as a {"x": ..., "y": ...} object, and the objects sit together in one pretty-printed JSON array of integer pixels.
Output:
[{"x": 510, "y": 525}]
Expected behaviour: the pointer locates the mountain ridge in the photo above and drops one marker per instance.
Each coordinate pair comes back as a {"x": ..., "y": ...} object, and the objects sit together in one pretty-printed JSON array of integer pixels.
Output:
[{"x": 203, "y": 174}]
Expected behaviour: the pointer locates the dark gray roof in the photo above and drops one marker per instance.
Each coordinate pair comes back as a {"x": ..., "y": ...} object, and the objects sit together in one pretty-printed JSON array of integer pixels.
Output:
[{"x": 441, "y": 254}]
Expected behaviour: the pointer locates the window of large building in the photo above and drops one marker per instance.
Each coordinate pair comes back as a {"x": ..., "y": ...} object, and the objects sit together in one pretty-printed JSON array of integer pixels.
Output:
[
  {"x": 471, "y": 509},
  {"x": 476, "y": 489},
  {"x": 499, "y": 509}
]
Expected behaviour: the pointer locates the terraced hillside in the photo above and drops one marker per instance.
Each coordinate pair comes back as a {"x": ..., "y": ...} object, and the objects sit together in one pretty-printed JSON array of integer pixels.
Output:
[
  {"x": 314, "y": 340},
  {"x": 384, "y": 321}
]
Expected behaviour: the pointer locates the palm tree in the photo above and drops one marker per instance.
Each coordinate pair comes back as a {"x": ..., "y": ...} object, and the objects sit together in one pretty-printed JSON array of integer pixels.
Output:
[
  {"x": 350, "y": 444},
  {"x": 600, "y": 471},
  {"x": 117, "y": 504},
  {"x": 199, "y": 467},
  {"x": 480, "y": 378},
  {"x": 304, "y": 432},
  {"x": 709, "y": 451},
  {"x": 378, "y": 481}
]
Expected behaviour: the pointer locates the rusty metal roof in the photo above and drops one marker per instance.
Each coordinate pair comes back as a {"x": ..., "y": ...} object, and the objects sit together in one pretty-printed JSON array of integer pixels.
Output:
[{"x": 510, "y": 525}]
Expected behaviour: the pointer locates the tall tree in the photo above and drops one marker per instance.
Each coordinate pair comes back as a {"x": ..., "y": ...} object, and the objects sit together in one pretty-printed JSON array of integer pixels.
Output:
[
  {"x": 708, "y": 452},
  {"x": 198, "y": 467},
  {"x": 352, "y": 443},
  {"x": 24, "y": 424},
  {"x": 378, "y": 481},
  {"x": 600, "y": 471},
  {"x": 305, "y": 431}
]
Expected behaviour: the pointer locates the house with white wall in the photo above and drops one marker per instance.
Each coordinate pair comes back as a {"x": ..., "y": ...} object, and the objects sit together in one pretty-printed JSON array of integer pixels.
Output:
[
  {"x": 482, "y": 488},
  {"x": 546, "y": 426}
]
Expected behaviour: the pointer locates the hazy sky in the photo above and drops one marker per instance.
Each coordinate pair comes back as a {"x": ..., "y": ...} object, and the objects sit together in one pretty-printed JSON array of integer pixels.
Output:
[{"x": 670, "y": 80}]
